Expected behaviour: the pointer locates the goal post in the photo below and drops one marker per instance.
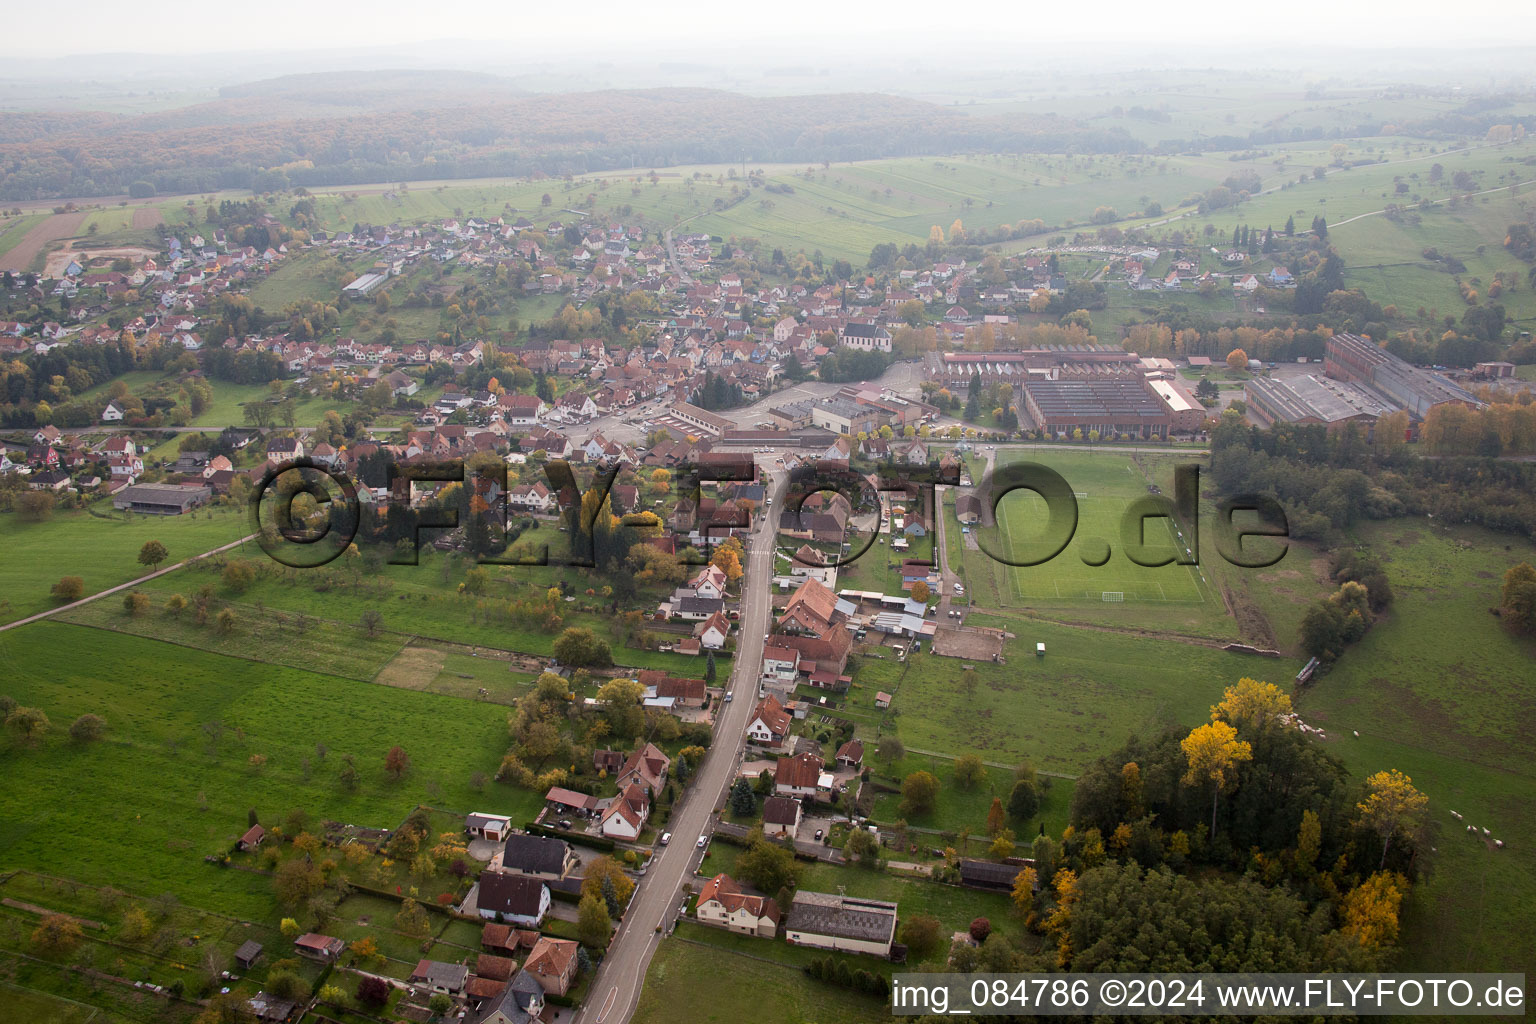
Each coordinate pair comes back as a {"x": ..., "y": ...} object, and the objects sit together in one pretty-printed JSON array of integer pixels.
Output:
[
  {"x": 1079, "y": 494},
  {"x": 1114, "y": 596}
]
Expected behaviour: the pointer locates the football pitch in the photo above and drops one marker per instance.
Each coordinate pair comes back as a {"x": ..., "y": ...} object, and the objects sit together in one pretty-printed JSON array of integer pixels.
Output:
[{"x": 1104, "y": 485}]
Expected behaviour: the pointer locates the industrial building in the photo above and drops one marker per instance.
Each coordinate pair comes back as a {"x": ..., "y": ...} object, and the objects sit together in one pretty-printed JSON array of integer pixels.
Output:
[
  {"x": 1313, "y": 400},
  {"x": 954, "y": 370},
  {"x": 1349, "y": 357},
  {"x": 1109, "y": 405}
]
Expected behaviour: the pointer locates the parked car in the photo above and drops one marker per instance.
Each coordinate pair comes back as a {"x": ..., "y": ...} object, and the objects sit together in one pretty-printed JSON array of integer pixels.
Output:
[
  {"x": 818, "y": 834},
  {"x": 666, "y": 837},
  {"x": 703, "y": 841}
]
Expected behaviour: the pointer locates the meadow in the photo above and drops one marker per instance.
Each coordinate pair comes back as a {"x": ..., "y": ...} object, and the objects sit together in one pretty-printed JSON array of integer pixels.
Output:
[
  {"x": 1441, "y": 691},
  {"x": 37, "y": 554},
  {"x": 172, "y": 787}
]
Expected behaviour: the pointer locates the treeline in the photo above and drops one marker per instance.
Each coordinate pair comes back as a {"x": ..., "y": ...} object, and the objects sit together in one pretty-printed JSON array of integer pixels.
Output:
[
  {"x": 1329, "y": 481},
  {"x": 208, "y": 148}
]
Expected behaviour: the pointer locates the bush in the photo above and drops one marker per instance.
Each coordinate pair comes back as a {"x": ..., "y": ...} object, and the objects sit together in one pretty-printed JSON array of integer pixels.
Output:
[{"x": 88, "y": 728}]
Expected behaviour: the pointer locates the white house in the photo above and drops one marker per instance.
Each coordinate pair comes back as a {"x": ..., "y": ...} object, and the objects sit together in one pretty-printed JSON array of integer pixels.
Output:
[
  {"x": 113, "y": 413},
  {"x": 512, "y": 898},
  {"x": 625, "y": 817},
  {"x": 769, "y": 723},
  {"x": 724, "y": 905},
  {"x": 713, "y": 631},
  {"x": 710, "y": 582}
]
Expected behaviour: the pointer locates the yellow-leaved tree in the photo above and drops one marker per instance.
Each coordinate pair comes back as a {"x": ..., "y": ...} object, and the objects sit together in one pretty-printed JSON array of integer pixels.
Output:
[
  {"x": 1251, "y": 702},
  {"x": 1371, "y": 909},
  {"x": 1213, "y": 752},
  {"x": 1392, "y": 807}
]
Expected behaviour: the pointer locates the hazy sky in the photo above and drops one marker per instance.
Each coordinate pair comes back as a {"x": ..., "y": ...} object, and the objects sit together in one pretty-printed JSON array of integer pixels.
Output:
[{"x": 1197, "y": 32}]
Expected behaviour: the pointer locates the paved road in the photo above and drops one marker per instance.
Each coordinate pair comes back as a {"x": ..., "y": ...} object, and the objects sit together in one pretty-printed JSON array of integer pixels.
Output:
[
  {"x": 125, "y": 586},
  {"x": 616, "y": 990}
]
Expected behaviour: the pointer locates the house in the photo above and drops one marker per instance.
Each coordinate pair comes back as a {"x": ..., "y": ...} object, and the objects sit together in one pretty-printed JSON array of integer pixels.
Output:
[
  {"x": 882, "y": 699},
  {"x": 985, "y": 874},
  {"x": 842, "y": 923},
  {"x": 113, "y": 413},
  {"x": 495, "y": 827},
  {"x": 248, "y": 953},
  {"x": 626, "y": 814},
  {"x": 512, "y": 898},
  {"x": 647, "y": 767},
  {"x": 968, "y": 509},
  {"x": 504, "y": 940},
  {"x": 684, "y": 692},
  {"x": 769, "y": 723},
  {"x": 797, "y": 776},
  {"x": 283, "y": 449},
  {"x": 609, "y": 761},
  {"x": 532, "y": 498},
  {"x": 812, "y": 610},
  {"x": 319, "y": 947},
  {"x": 781, "y": 817},
  {"x": 47, "y": 435},
  {"x": 538, "y": 856},
  {"x": 851, "y": 754},
  {"x": 553, "y": 963},
  {"x": 723, "y": 904},
  {"x": 252, "y": 838},
  {"x": 520, "y": 1002},
  {"x": 709, "y": 582},
  {"x": 713, "y": 631},
  {"x": 434, "y": 976}
]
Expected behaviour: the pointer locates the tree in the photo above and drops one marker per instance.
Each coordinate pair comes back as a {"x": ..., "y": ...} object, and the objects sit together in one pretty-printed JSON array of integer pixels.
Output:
[
  {"x": 224, "y": 622},
  {"x": 861, "y": 848},
  {"x": 579, "y": 647},
  {"x": 28, "y": 723},
  {"x": 373, "y": 991},
  {"x": 921, "y": 934},
  {"x": 440, "y": 1003},
  {"x": 296, "y": 881},
  {"x": 35, "y": 506},
  {"x": 1213, "y": 752},
  {"x": 1024, "y": 800},
  {"x": 919, "y": 794},
  {"x": 742, "y": 800},
  {"x": 135, "y": 603},
  {"x": 412, "y": 919},
  {"x": 175, "y": 605},
  {"x": 920, "y": 592},
  {"x": 1392, "y": 807},
  {"x": 1003, "y": 846},
  {"x": 969, "y": 771},
  {"x": 890, "y": 750},
  {"x": 1024, "y": 884},
  {"x": 56, "y": 934},
  {"x": 1517, "y": 598},
  {"x": 995, "y": 817},
  {"x": 69, "y": 589},
  {"x": 605, "y": 873},
  {"x": 397, "y": 762},
  {"x": 727, "y": 561},
  {"x": 287, "y": 985},
  {"x": 1370, "y": 909},
  {"x": 152, "y": 553},
  {"x": 239, "y": 574},
  {"x": 88, "y": 728},
  {"x": 372, "y": 621},
  {"x": 1252, "y": 703},
  {"x": 766, "y": 866},
  {"x": 1207, "y": 391},
  {"x": 980, "y": 928},
  {"x": 1237, "y": 359},
  {"x": 592, "y": 922}
]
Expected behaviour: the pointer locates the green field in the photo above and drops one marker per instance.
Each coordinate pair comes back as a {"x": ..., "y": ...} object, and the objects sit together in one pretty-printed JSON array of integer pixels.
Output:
[
  {"x": 37, "y": 554},
  {"x": 158, "y": 787},
  {"x": 1441, "y": 692}
]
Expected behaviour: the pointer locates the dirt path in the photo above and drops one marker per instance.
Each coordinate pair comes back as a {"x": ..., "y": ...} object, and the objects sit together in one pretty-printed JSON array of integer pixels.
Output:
[{"x": 60, "y": 225}]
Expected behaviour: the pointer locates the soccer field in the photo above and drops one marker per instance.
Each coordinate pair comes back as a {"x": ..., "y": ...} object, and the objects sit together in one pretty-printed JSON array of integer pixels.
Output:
[{"x": 1104, "y": 485}]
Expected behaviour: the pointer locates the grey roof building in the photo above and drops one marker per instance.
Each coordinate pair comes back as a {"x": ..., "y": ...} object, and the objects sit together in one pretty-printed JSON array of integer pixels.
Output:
[
  {"x": 160, "y": 499},
  {"x": 828, "y": 921}
]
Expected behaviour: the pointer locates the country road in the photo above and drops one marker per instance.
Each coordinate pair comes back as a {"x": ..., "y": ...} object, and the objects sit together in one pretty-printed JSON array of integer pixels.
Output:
[{"x": 615, "y": 991}]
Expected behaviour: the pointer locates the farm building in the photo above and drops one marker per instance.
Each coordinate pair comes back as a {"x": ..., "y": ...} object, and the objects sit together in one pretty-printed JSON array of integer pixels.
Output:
[
  {"x": 160, "y": 499},
  {"x": 826, "y": 921}
]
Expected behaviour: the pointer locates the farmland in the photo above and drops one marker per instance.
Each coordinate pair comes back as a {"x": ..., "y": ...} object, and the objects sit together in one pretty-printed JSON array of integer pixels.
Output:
[
  {"x": 170, "y": 787},
  {"x": 37, "y": 554}
]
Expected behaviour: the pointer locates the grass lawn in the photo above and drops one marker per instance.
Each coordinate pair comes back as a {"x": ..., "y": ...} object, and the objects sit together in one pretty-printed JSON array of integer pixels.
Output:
[
  {"x": 101, "y": 547},
  {"x": 683, "y": 984},
  {"x": 1442, "y": 692},
  {"x": 967, "y": 808},
  {"x": 1090, "y": 691},
  {"x": 156, "y": 788},
  {"x": 41, "y": 1008}
]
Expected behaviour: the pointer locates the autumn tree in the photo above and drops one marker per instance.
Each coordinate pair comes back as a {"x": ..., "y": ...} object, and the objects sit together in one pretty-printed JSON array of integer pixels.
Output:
[
  {"x": 88, "y": 728},
  {"x": 1392, "y": 808},
  {"x": 1237, "y": 360},
  {"x": 920, "y": 592},
  {"x": 604, "y": 872},
  {"x": 69, "y": 589},
  {"x": 995, "y": 817},
  {"x": 919, "y": 794},
  {"x": 135, "y": 603},
  {"x": 970, "y": 772},
  {"x": 921, "y": 934},
  {"x": 727, "y": 561},
  {"x": 1058, "y": 923},
  {"x": 397, "y": 762},
  {"x": 152, "y": 553},
  {"x": 1517, "y": 598},
  {"x": 1213, "y": 752},
  {"x": 1252, "y": 703},
  {"x": 28, "y": 723},
  {"x": 1370, "y": 909},
  {"x": 296, "y": 880},
  {"x": 1024, "y": 884},
  {"x": 56, "y": 934},
  {"x": 592, "y": 921}
]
